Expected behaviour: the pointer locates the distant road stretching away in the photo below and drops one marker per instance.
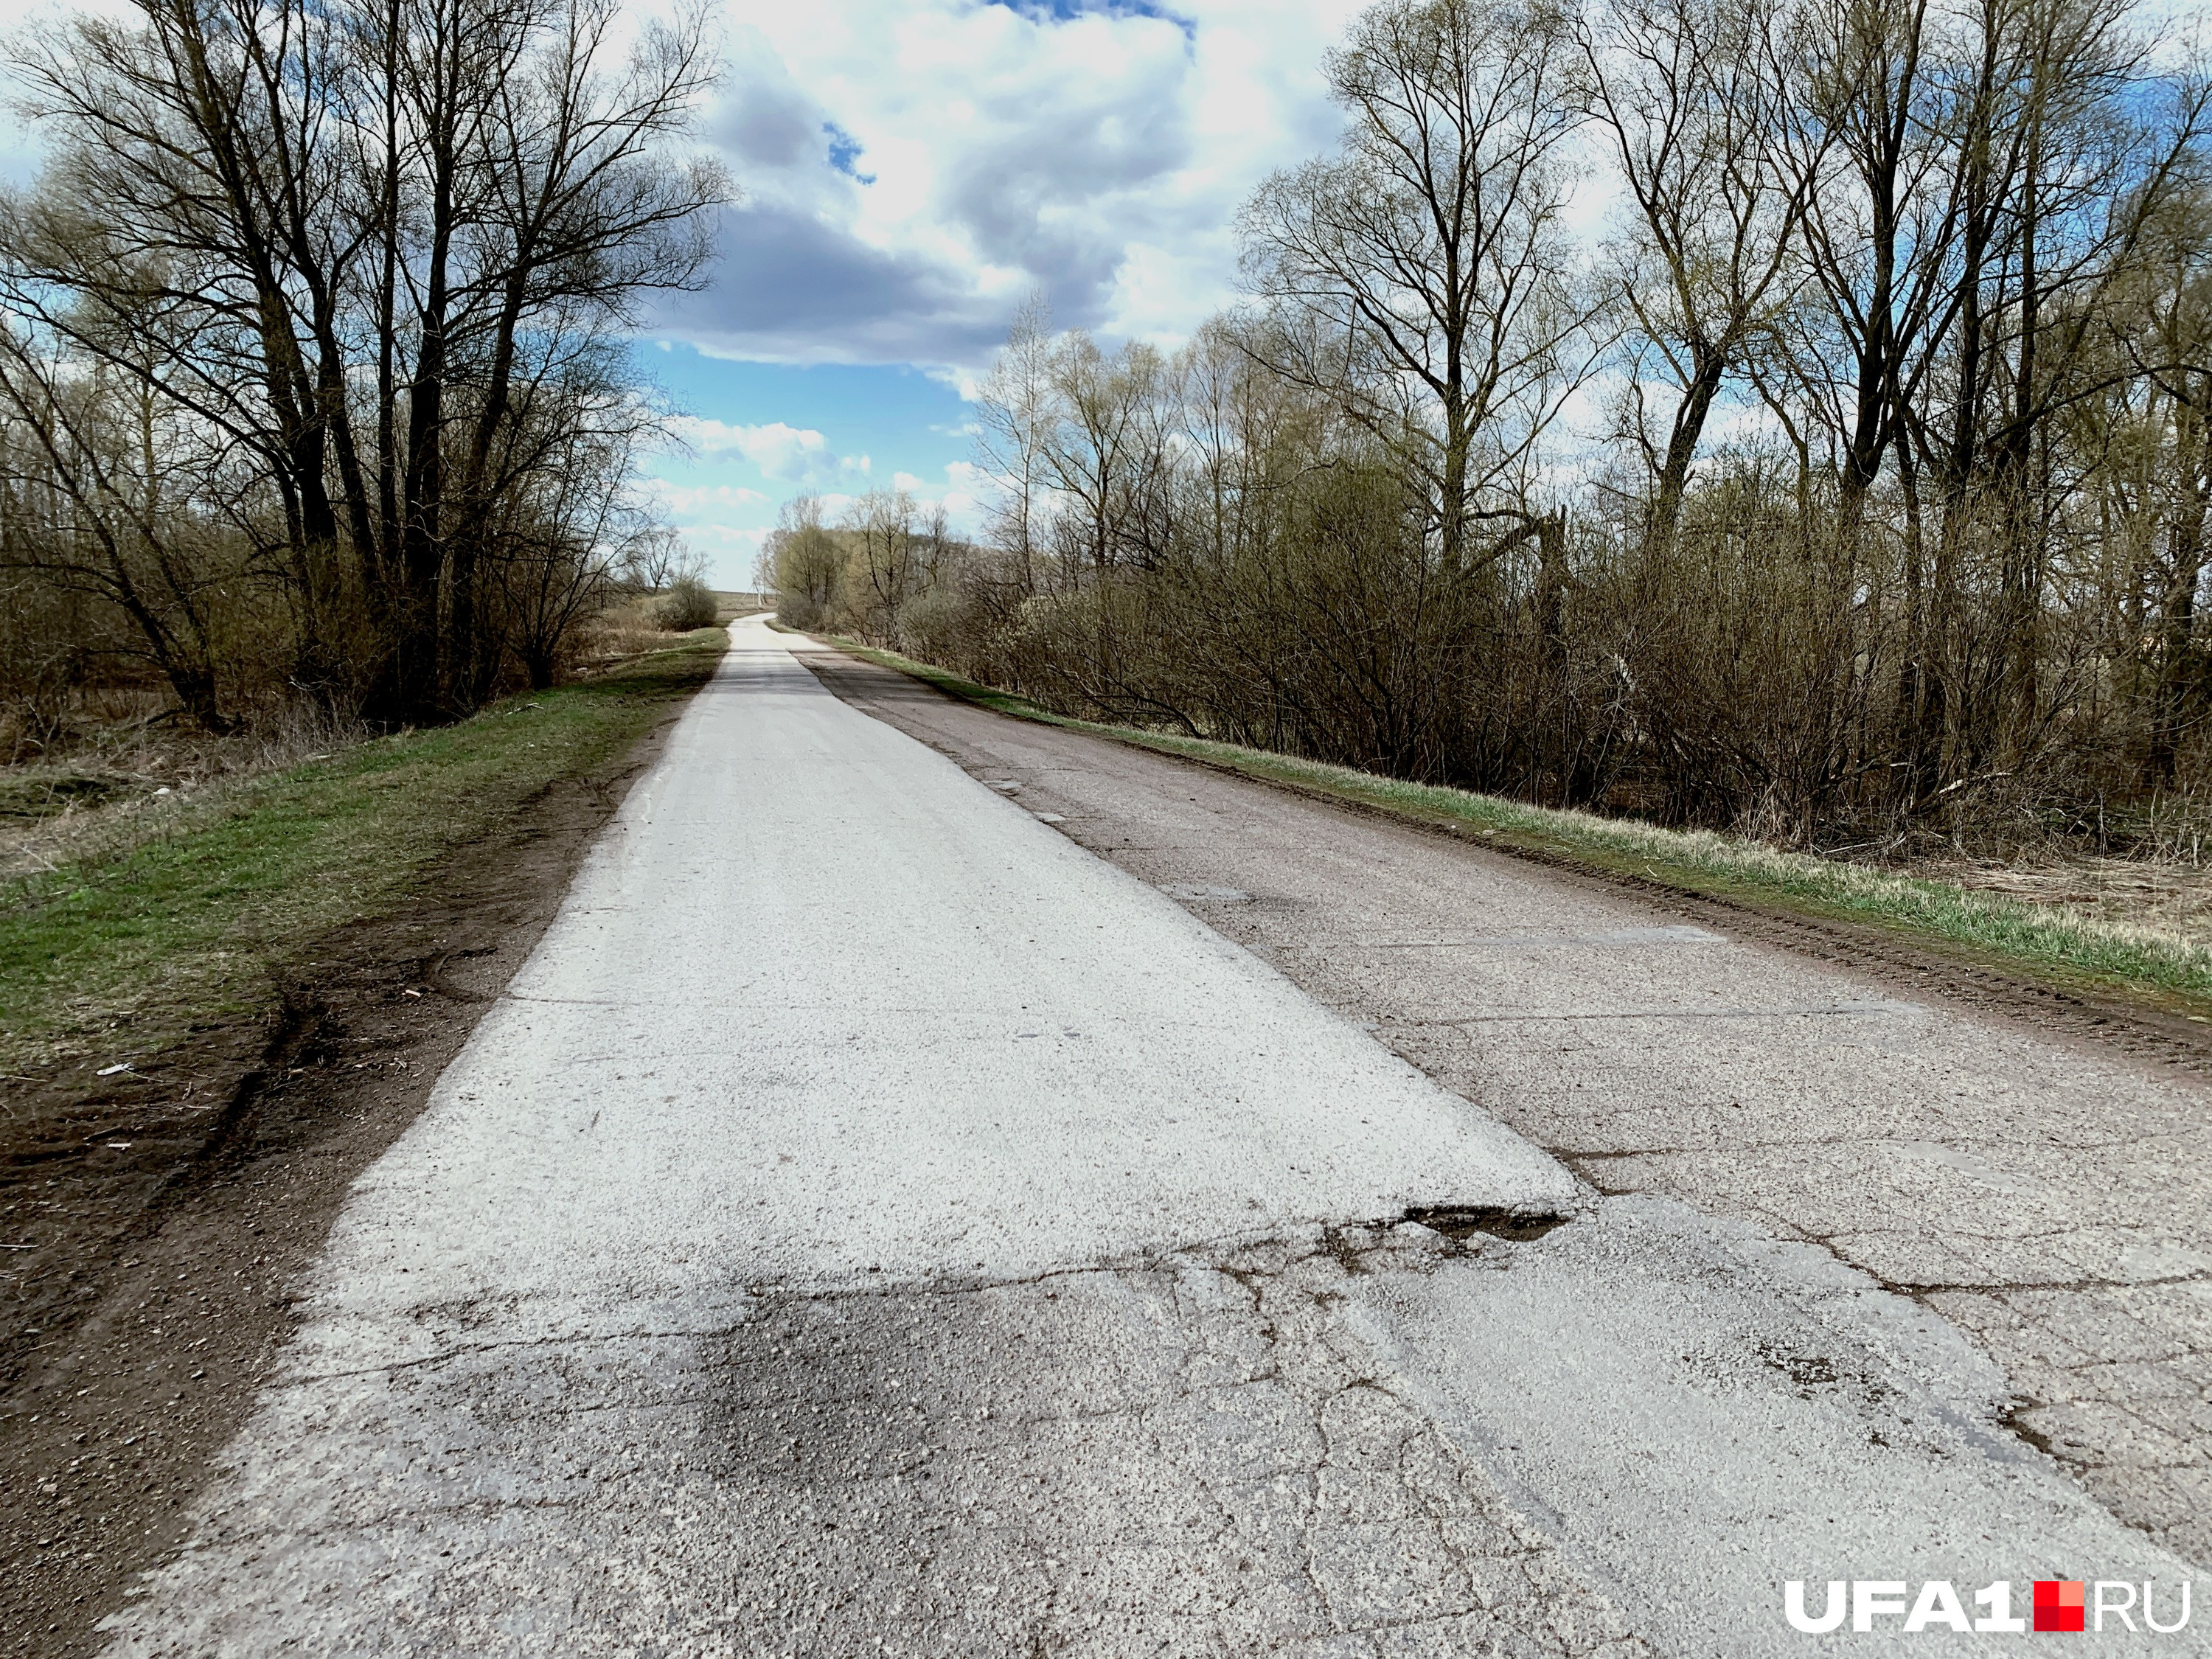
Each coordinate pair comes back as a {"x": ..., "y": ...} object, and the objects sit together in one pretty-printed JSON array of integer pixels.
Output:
[{"x": 873, "y": 1222}]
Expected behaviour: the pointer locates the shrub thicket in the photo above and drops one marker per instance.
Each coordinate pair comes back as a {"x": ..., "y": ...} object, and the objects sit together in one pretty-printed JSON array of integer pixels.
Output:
[{"x": 688, "y": 604}]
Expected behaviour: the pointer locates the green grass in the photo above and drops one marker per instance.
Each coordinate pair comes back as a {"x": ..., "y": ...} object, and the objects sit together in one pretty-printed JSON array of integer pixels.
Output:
[
  {"x": 120, "y": 954},
  {"x": 2051, "y": 944}
]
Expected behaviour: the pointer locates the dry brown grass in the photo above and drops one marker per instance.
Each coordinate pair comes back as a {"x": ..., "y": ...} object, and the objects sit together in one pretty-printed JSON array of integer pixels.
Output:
[
  {"x": 117, "y": 784},
  {"x": 2156, "y": 899},
  {"x": 621, "y": 631},
  {"x": 626, "y": 630},
  {"x": 123, "y": 771}
]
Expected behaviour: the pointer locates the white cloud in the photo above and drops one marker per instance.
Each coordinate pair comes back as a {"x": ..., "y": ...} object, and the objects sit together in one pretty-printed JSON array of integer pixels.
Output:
[
  {"x": 788, "y": 454},
  {"x": 724, "y": 539},
  {"x": 689, "y": 499},
  {"x": 959, "y": 494},
  {"x": 915, "y": 168}
]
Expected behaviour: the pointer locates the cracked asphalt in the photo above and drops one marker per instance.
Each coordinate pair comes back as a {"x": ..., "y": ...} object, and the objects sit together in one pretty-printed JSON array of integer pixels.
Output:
[{"x": 873, "y": 1221}]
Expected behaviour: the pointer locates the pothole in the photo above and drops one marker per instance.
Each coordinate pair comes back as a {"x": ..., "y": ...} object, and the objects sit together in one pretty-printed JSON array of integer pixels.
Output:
[
  {"x": 1200, "y": 892},
  {"x": 1460, "y": 1221}
]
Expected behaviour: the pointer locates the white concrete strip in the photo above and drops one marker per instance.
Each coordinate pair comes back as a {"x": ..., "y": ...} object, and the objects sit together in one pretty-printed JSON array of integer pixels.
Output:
[
  {"x": 820, "y": 1005},
  {"x": 1698, "y": 1414}
]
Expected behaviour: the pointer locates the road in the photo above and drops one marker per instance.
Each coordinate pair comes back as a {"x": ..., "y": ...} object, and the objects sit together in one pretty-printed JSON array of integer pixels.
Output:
[
  {"x": 873, "y": 1221},
  {"x": 2050, "y": 1196}
]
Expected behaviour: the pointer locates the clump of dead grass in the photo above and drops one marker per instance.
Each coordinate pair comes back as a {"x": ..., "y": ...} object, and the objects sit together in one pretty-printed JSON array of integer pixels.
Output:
[{"x": 118, "y": 784}]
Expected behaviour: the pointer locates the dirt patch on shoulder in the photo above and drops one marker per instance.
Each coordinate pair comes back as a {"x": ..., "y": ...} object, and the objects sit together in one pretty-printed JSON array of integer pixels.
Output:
[{"x": 154, "y": 1221}]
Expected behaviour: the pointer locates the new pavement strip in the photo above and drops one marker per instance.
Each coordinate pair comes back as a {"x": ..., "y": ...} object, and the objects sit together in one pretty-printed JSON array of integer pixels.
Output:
[{"x": 872, "y": 1222}]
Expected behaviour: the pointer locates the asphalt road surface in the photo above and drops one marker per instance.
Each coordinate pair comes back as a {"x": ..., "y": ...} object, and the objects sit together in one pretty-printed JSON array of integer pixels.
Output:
[
  {"x": 2048, "y": 1194},
  {"x": 873, "y": 1221}
]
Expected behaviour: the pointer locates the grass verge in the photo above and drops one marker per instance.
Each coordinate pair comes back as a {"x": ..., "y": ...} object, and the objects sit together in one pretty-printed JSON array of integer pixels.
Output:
[
  {"x": 2054, "y": 945},
  {"x": 123, "y": 953}
]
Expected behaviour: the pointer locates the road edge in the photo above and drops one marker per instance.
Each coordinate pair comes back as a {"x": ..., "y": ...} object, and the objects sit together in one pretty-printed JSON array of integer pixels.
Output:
[{"x": 183, "y": 1312}]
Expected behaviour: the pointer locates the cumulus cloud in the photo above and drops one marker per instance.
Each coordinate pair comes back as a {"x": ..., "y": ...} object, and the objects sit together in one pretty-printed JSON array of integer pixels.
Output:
[
  {"x": 691, "y": 499},
  {"x": 914, "y": 169},
  {"x": 787, "y": 453},
  {"x": 791, "y": 286}
]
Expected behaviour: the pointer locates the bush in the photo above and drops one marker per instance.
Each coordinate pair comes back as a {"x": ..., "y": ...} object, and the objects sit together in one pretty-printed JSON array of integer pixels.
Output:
[
  {"x": 807, "y": 565},
  {"x": 686, "y": 605}
]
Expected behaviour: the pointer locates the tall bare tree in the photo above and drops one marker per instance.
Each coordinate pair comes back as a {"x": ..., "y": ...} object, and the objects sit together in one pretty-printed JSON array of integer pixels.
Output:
[
  {"x": 373, "y": 234},
  {"x": 1421, "y": 274},
  {"x": 1689, "y": 96}
]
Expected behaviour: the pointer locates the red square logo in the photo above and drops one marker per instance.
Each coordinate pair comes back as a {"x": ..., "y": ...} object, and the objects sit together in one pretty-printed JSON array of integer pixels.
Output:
[{"x": 2059, "y": 1604}]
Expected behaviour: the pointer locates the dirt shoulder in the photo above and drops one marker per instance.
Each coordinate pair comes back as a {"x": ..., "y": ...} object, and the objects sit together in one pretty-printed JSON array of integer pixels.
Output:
[{"x": 156, "y": 1219}]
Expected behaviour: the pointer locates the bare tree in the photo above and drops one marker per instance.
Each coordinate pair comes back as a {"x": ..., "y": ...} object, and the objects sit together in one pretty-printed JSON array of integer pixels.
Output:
[
  {"x": 805, "y": 560},
  {"x": 372, "y": 235},
  {"x": 96, "y": 509},
  {"x": 1690, "y": 95},
  {"x": 1103, "y": 452},
  {"x": 1420, "y": 275},
  {"x": 1014, "y": 413}
]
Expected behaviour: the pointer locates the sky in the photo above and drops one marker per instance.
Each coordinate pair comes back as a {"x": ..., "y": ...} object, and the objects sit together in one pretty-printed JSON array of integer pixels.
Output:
[{"x": 913, "y": 170}]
